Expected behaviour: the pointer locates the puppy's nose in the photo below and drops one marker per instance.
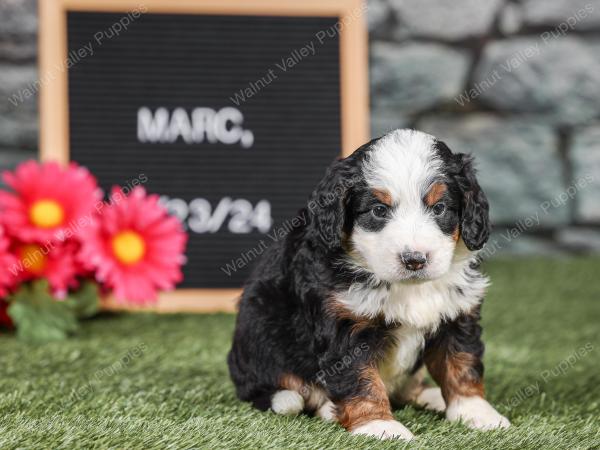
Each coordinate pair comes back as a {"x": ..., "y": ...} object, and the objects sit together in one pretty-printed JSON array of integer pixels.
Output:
[{"x": 413, "y": 260}]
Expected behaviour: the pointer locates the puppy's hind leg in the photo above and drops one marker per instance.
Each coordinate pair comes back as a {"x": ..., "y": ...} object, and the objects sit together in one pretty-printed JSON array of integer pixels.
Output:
[
  {"x": 297, "y": 396},
  {"x": 316, "y": 400},
  {"x": 287, "y": 402}
]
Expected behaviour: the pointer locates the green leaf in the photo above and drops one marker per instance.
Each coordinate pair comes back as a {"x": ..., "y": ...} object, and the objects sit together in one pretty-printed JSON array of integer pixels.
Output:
[
  {"x": 38, "y": 316},
  {"x": 86, "y": 301}
]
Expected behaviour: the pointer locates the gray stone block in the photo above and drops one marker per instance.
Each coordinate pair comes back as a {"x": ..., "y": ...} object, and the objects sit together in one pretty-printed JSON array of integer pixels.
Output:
[
  {"x": 511, "y": 19},
  {"x": 18, "y": 29},
  {"x": 503, "y": 243},
  {"x": 18, "y": 133},
  {"x": 443, "y": 19},
  {"x": 585, "y": 160},
  {"x": 413, "y": 77},
  {"x": 594, "y": 45},
  {"x": 19, "y": 18},
  {"x": 18, "y": 107},
  {"x": 574, "y": 14},
  {"x": 384, "y": 120},
  {"x": 519, "y": 166},
  {"x": 18, "y": 90},
  {"x": 580, "y": 239},
  {"x": 557, "y": 78},
  {"x": 379, "y": 17}
]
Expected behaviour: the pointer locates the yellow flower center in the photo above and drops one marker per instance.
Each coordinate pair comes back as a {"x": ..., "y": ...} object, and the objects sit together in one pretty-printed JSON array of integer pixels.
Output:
[
  {"x": 46, "y": 214},
  {"x": 128, "y": 247},
  {"x": 33, "y": 258}
]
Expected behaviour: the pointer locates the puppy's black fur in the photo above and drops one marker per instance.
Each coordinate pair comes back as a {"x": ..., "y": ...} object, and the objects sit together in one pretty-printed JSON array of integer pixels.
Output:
[{"x": 286, "y": 323}]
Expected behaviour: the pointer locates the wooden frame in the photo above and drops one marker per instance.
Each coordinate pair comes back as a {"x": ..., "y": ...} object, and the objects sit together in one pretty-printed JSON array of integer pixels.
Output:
[{"x": 54, "y": 113}]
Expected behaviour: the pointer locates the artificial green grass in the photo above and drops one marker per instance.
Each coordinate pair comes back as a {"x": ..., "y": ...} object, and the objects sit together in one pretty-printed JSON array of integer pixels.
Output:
[{"x": 157, "y": 381}]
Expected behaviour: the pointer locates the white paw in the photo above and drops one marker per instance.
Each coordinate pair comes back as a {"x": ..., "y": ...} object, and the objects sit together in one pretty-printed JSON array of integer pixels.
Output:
[
  {"x": 287, "y": 402},
  {"x": 327, "y": 411},
  {"x": 384, "y": 429},
  {"x": 475, "y": 412},
  {"x": 432, "y": 399}
]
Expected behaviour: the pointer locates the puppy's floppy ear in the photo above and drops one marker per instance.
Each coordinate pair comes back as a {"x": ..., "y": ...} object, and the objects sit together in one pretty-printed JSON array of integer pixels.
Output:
[
  {"x": 475, "y": 218},
  {"x": 327, "y": 204}
]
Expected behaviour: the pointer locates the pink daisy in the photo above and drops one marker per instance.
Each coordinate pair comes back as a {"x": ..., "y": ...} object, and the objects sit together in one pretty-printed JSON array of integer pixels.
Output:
[
  {"x": 49, "y": 202},
  {"x": 7, "y": 262},
  {"x": 135, "y": 246},
  {"x": 55, "y": 262}
]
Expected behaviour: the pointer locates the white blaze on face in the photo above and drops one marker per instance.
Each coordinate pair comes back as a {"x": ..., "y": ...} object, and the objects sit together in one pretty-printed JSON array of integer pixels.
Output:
[{"x": 404, "y": 163}]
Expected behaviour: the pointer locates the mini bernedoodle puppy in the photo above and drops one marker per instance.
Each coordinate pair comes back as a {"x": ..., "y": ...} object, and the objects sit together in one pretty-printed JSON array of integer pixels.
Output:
[{"x": 379, "y": 281}]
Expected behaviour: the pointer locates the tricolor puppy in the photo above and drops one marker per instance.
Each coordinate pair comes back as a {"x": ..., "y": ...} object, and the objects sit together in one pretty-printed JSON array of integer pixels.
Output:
[{"x": 379, "y": 282}]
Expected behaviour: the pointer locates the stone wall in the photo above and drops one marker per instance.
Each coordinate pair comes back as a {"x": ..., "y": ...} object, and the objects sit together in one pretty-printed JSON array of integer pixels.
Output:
[
  {"x": 516, "y": 83},
  {"x": 18, "y": 53}
]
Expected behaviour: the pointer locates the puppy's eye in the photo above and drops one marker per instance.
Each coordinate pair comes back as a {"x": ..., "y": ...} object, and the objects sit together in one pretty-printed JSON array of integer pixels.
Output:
[
  {"x": 439, "y": 209},
  {"x": 380, "y": 211}
]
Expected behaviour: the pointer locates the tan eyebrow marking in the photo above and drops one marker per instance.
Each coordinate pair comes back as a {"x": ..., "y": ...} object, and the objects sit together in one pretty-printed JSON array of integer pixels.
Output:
[
  {"x": 383, "y": 196},
  {"x": 435, "y": 193}
]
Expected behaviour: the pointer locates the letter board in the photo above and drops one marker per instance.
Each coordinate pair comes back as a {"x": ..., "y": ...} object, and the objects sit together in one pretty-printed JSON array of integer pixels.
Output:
[{"x": 230, "y": 110}]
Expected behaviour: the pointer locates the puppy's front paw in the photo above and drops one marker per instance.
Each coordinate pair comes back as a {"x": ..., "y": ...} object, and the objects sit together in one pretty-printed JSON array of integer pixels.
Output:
[
  {"x": 475, "y": 412},
  {"x": 327, "y": 412},
  {"x": 384, "y": 429}
]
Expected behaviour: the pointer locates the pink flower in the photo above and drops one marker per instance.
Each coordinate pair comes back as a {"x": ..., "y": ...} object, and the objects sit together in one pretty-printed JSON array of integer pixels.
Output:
[
  {"x": 135, "y": 246},
  {"x": 8, "y": 262},
  {"x": 55, "y": 262},
  {"x": 49, "y": 202}
]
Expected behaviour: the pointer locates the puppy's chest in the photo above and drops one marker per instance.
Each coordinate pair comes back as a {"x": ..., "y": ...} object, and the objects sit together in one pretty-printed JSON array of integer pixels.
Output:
[{"x": 400, "y": 359}]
